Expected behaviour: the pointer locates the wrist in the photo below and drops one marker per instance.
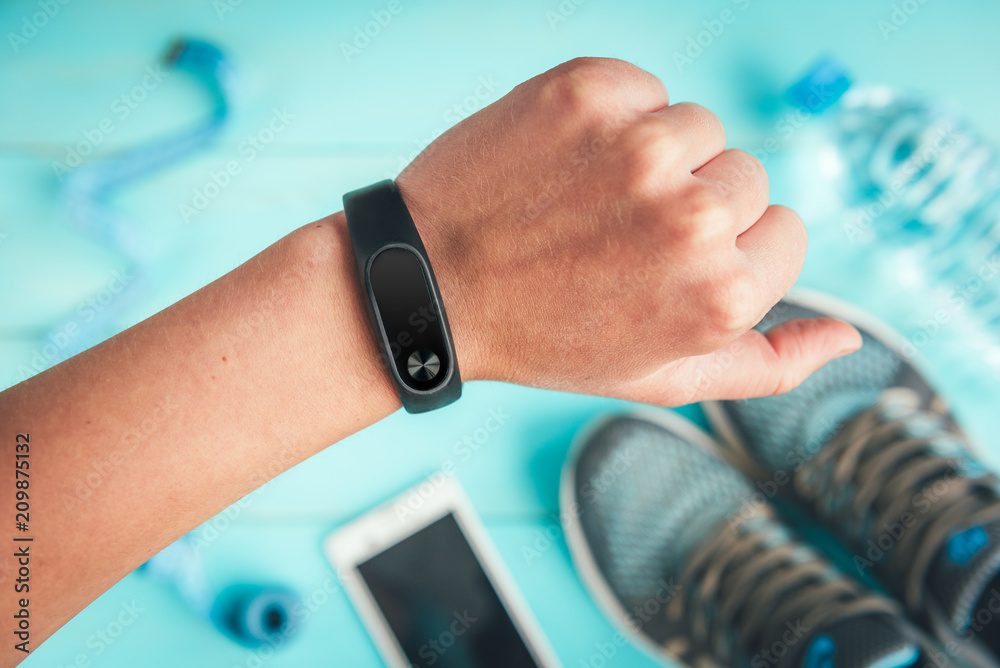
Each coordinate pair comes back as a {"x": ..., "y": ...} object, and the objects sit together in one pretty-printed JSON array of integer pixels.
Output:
[
  {"x": 461, "y": 290},
  {"x": 347, "y": 354}
]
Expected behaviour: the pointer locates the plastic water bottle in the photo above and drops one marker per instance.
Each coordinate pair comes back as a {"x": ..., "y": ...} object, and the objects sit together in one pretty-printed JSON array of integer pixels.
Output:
[{"x": 919, "y": 180}]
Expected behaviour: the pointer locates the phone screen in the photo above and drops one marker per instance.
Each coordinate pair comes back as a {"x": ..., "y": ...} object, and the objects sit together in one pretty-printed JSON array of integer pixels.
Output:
[{"x": 439, "y": 603}]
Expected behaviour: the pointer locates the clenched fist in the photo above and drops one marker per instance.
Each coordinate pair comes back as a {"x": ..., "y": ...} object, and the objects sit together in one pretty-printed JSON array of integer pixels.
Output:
[{"x": 588, "y": 236}]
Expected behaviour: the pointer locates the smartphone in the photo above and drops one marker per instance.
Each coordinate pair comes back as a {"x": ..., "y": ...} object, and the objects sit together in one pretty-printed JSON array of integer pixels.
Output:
[{"x": 430, "y": 586}]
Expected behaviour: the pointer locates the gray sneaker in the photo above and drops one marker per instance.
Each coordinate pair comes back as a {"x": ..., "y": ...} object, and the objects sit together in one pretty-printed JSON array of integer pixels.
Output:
[
  {"x": 680, "y": 553},
  {"x": 871, "y": 450}
]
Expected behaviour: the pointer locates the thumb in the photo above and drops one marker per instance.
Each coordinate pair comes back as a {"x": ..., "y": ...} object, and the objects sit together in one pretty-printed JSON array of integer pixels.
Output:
[
  {"x": 777, "y": 361},
  {"x": 754, "y": 365}
]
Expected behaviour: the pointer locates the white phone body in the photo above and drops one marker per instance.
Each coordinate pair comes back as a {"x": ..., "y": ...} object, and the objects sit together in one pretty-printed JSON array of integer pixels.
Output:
[{"x": 370, "y": 535}]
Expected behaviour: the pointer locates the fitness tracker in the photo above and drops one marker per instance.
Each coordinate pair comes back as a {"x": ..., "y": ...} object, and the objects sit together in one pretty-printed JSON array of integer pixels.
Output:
[{"x": 403, "y": 297}]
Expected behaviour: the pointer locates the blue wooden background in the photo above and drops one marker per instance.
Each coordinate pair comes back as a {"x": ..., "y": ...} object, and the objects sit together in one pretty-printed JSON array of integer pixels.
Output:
[{"x": 358, "y": 120}]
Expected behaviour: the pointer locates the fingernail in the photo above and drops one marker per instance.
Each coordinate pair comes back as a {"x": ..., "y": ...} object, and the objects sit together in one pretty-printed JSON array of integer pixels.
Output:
[{"x": 846, "y": 351}]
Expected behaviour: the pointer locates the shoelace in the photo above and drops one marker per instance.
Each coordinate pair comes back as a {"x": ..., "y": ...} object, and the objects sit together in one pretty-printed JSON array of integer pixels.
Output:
[
  {"x": 752, "y": 580},
  {"x": 877, "y": 467}
]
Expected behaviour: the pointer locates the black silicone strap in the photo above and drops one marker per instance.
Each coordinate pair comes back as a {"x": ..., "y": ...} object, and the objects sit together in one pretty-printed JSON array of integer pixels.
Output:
[{"x": 403, "y": 296}]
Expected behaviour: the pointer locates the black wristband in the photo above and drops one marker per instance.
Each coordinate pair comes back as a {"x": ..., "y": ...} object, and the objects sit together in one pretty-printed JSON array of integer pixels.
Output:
[{"x": 403, "y": 298}]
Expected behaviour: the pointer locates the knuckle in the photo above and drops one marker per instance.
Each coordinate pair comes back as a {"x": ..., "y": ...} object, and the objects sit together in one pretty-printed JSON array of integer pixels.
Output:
[
  {"x": 588, "y": 63},
  {"x": 729, "y": 307},
  {"x": 785, "y": 382},
  {"x": 789, "y": 377},
  {"x": 702, "y": 217},
  {"x": 580, "y": 86},
  {"x": 794, "y": 238},
  {"x": 797, "y": 227},
  {"x": 608, "y": 69},
  {"x": 709, "y": 124},
  {"x": 648, "y": 150},
  {"x": 705, "y": 205},
  {"x": 749, "y": 168}
]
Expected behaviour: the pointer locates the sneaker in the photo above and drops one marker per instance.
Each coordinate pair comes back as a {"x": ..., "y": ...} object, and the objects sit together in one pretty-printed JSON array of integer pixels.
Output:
[
  {"x": 868, "y": 447},
  {"x": 672, "y": 543}
]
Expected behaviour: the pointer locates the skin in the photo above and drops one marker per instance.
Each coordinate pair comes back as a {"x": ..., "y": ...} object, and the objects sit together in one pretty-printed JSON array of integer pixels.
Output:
[{"x": 586, "y": 235}]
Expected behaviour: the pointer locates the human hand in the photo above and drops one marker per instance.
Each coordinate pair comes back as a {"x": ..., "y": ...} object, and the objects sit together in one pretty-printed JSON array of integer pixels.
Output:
[{"x": 588, "y": 237}]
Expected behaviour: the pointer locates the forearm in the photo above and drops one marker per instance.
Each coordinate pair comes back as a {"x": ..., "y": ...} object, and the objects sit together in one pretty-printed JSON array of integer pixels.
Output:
[{"x": 142, "y": 438}]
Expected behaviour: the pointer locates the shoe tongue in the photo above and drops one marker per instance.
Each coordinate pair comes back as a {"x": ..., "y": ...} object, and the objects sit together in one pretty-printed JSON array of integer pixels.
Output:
[
  {"x": 964, "y": 573},
  {"x": 866, "y": 641}
]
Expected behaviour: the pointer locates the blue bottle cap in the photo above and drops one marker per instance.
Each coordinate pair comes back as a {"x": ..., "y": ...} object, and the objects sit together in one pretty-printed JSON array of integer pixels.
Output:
[{"x": 823, "y": 84}]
